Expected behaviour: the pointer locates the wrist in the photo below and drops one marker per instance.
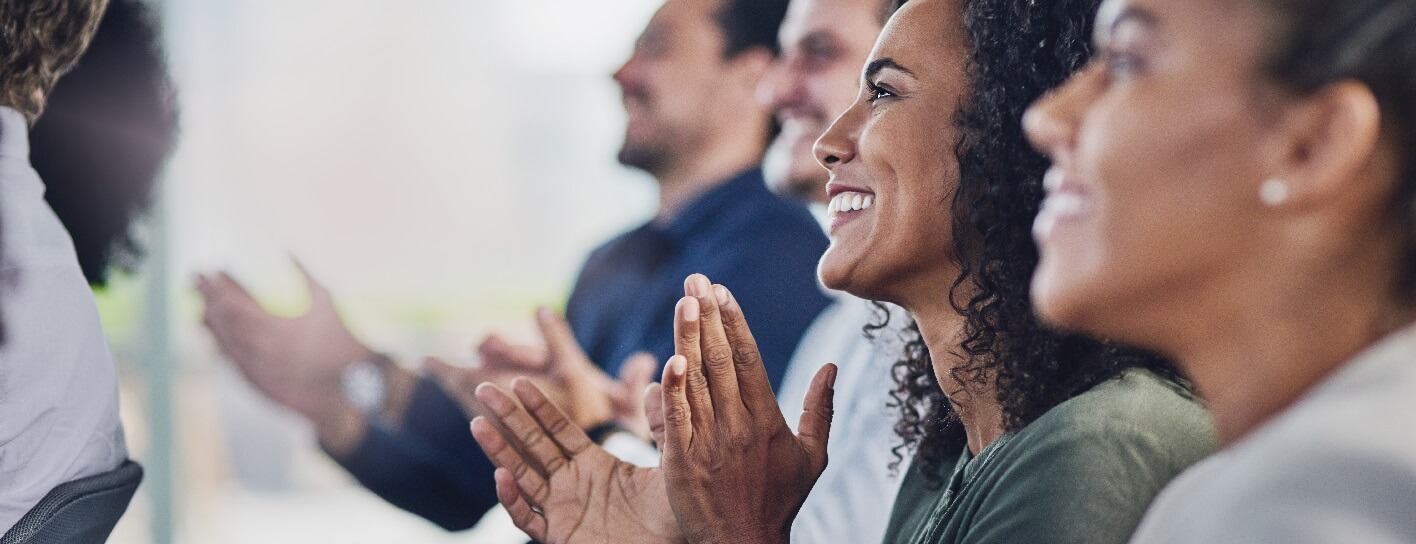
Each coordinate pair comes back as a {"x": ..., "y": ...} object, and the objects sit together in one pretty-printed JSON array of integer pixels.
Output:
[{"x": 342, "y": 431}]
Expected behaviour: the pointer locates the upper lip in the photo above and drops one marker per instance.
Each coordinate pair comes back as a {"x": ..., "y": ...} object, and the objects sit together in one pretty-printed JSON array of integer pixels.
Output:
[
  {"x": 1058, "y": 180},
  {"x": 835, "y": 188}
]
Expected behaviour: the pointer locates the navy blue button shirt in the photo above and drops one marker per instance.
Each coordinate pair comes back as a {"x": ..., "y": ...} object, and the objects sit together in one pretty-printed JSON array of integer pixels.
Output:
[{"x": 761, "y": 246}]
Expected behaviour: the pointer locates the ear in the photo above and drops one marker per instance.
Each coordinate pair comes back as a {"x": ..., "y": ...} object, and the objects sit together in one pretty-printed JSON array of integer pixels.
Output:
[
  {"x": 750, "y": 66},
  {"x": 1327, "y": 140}
]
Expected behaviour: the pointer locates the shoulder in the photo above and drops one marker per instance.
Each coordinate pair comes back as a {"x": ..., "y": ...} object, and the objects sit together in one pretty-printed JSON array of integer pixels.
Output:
[{"x": 1087, "y": 469}]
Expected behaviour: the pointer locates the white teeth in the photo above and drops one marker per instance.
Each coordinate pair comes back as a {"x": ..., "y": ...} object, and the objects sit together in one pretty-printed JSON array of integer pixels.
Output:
[
  {"x": 1052, "y": 180},
  {"x": 850, "y": 202}
]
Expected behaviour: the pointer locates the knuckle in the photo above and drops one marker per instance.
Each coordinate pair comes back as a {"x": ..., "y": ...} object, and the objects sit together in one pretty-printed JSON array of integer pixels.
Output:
[
  {"x": 744, "y": 354},
  {"x": 719, "y": 353}
]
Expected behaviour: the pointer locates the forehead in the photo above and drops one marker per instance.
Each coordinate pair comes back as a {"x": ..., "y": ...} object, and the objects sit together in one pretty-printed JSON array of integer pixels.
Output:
[
  {"x": 675, "y": 13},
  {"x": 923, "y": 32},
  {"x": 1224, "y": 23},
  {"x": 807, "y": 16}
]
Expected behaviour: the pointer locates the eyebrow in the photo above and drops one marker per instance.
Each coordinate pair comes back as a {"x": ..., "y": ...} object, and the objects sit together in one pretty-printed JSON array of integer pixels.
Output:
[{"x": 877, "y": 65}]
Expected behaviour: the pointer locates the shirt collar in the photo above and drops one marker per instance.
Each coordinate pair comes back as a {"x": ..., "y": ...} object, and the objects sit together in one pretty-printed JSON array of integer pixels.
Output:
[{"x": 712, "y": 203}]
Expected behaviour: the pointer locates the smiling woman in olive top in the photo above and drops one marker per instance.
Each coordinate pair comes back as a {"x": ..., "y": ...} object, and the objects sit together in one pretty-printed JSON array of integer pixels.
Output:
[
  {"x": 1235, "y": 186},
  {"x": 1023, "y": 434}
]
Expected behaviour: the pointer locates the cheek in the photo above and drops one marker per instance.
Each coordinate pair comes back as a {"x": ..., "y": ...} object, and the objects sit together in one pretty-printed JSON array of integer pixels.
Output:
[{"x": 1166, "y": 182}]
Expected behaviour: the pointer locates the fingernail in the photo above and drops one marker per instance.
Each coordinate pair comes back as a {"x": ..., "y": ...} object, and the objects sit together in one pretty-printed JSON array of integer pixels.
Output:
[
  {"x": 678, "y": 365},
  {"x": 698, "y": 285},
  {"x": 722, "y": 294},
  {"x": 690, "y": 309}
]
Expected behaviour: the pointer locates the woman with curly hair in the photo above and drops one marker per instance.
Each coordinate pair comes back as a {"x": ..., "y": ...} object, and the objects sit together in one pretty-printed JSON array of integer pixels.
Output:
[
  {"x": 1023, "y": 434},
  {"x": 1237, "y": 189}
]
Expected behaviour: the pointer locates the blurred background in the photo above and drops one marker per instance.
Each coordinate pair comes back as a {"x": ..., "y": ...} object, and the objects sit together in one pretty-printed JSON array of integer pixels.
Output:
[{"x": 412, "y": 154}]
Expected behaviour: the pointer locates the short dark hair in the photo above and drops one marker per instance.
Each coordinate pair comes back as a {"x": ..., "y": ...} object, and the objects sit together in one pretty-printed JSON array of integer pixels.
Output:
[
  {"x": 751, "y": 23},
  {"x": 39, "y": 41},
  {"x": 110, "y": 126},
  {"x": 1314, "y": 43}
]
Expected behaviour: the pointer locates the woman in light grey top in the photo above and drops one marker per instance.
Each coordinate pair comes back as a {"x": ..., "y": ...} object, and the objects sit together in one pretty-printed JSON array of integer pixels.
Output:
[{"x": 1234, "y": 185}]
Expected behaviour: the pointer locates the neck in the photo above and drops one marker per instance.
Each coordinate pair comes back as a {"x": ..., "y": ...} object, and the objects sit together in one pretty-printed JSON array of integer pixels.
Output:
[
  {"x": 704, "y": 169},
  {"x": 1264, "y": 343},
  {"x": 942, "y": 328}
]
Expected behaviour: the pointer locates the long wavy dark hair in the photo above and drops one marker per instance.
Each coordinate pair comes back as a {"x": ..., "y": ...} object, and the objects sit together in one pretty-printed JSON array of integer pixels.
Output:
[
  {"x": 107, "y": 133},
  {"x": 1020, "y": 50}
]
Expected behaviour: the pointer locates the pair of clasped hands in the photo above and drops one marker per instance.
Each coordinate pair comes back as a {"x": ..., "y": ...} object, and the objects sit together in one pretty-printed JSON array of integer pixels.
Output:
[{"x": 731, "y": 471}]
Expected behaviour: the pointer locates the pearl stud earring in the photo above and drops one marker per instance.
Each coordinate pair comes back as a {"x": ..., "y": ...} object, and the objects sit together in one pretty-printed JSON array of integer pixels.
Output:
[{"x": 1273, "y": 192}]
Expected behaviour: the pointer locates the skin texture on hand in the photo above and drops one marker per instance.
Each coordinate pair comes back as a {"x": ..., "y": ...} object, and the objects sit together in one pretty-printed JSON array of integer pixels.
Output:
[
  {"x": 561, "y": 369},
  {"x": 560, "y": 487},
  {"x": 734, "y": 471},
  {"x": 295, "y": 361}
]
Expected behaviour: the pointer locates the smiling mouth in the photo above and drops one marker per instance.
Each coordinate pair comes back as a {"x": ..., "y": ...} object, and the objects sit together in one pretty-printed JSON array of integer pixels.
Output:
[{"x": 850, "y": 201}]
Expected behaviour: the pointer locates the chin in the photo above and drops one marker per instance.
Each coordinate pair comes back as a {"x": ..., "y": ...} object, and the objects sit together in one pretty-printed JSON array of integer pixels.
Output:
[{"x": 846, "y": 273}]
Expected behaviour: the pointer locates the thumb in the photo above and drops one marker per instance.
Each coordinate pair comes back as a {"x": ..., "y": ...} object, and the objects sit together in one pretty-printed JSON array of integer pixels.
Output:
[
  {"x": 638, "y": 372},
  {"x": 814, "y": 428},
  {"x": 564, "y": 349},
  {"x": 319, "y": 295},
  {"x": 654, "y": 410}
]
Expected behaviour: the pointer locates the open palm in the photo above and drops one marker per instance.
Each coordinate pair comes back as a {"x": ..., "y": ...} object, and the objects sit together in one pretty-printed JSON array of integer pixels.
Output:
[{"x": 560, "y": 487}]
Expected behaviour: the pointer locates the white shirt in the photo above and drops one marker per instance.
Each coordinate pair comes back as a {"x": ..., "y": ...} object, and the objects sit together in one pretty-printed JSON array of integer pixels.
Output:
[
  {"x": 852, "y": 500},
  {"x": 1339, "y": 466},
  {"x": 58, "y": 384}
]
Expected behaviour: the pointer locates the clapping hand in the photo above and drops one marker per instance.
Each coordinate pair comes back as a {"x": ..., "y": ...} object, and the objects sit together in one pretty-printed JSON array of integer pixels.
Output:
[
  {"x": 560, "y": 487},
  {"x": 735, "y": 471},
  {"x": 587, "y": 395}
]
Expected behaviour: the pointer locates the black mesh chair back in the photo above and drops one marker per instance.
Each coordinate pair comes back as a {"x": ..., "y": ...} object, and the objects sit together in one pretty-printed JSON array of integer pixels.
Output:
[{"x": 83, "y": 511}]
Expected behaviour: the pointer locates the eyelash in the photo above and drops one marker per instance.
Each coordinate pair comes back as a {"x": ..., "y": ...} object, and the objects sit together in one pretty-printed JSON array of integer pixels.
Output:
[
  {"x": 876, "y": 91},
  {"x": 1122, "y": 63}
]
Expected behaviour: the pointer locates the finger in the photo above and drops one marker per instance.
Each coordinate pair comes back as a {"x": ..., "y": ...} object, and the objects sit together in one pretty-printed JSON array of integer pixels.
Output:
[
  {"x": 654, "y": 411},
  {"x": 521, "y": 513},
  {"x": 717, "y": 352},
  {"x": 635, "y": 374},
  {"x": 756, "y": 388},
  {"x": 461, "y": 383},
  {"x": 228, "y": 289},
  {"x": 677, "y": 433},
  {"x": 319, "y": 295},
  {"x": 814, "y": 428},
  {"x": 506, "y": 457},
  {"x": 526, "y": 434},
  {"x": 564, "y": 349},
  {"x": 686, "y": 334},
  {"x": 497, "y": 353},
  {"x": 568, "y": 435}
]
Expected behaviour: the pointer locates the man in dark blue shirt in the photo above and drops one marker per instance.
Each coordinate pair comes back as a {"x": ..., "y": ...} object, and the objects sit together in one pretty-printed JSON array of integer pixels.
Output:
[{"x": 695, "y": 125}]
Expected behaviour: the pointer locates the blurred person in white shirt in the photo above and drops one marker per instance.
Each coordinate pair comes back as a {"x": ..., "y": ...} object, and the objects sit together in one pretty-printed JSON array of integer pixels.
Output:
[{"x": 58, "y": 384}]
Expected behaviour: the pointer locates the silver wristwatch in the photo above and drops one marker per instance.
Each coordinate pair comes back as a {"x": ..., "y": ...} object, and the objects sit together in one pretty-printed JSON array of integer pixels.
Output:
[{"x": 365, "y": 385}]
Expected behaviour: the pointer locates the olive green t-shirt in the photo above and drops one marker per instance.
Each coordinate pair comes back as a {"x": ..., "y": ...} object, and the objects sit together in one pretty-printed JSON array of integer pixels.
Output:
[{"x": 1084, "y": 472}]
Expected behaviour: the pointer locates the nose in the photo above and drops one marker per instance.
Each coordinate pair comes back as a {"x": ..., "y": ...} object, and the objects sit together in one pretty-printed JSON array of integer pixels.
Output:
[
  {"x": 627, "y": 72},
  {"x": 1052, "y": 121},
  {"x": 838, "y": 145}
]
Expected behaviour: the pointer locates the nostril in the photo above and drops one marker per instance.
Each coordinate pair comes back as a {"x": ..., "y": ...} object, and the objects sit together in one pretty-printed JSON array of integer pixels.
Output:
[{"x": 832, "y": 159}]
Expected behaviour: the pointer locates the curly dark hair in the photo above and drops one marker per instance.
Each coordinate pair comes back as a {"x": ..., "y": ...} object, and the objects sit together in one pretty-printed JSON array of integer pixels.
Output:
[
  {"x": 1020, "y": 50},
  {"x": 39, "y": 41},
  {"x": 109, "y": 129}
]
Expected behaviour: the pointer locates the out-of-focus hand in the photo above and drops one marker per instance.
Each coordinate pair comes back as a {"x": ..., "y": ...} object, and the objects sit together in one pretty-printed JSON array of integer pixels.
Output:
[
  {"x": 561, "y": 369},
  {"x": 735, "y": 472},
  {"x": 560, "y": 487},
  {"x": 296, "y": 361},
  {"x": 627, "y": 396}
]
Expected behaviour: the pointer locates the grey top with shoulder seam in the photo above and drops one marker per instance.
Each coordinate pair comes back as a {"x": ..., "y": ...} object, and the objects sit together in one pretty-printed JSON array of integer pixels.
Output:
[{"x": 1084, "y": 472}]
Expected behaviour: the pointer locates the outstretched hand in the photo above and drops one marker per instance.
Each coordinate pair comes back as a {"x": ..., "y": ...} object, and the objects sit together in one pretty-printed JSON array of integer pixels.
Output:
[
  {"x": 734, "y": 469},
  {"x": 561, "y": 369},
  {"x": 560, "y": 487},
  {"x": 296, "y": 361}
]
